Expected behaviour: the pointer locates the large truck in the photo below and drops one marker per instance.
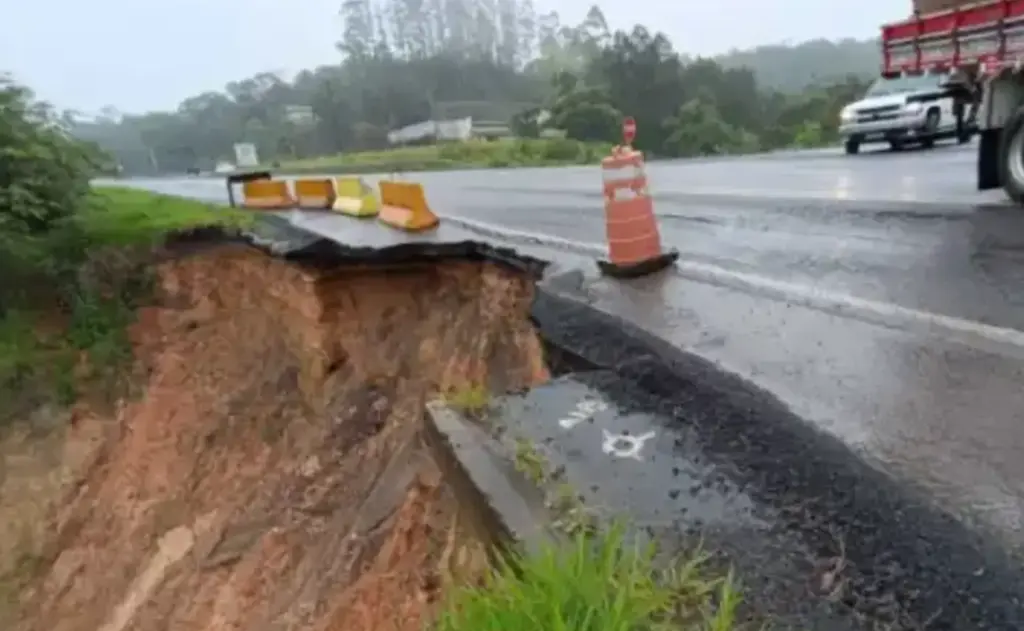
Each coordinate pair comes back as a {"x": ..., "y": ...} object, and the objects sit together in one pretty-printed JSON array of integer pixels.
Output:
[{"x": 980, "y": 47}]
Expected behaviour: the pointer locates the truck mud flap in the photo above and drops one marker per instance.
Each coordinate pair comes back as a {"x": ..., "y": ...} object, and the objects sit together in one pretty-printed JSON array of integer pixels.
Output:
[{"x": 988, "y": 159}]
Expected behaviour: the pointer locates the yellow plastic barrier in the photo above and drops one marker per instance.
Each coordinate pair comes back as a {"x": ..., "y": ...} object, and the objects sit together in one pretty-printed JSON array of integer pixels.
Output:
[
  {"x": 404, "y": 206},
  {"x": 355, "y": 198},
  {"x": 314, "y": 194},
  {"x": 267, "y": 195}
]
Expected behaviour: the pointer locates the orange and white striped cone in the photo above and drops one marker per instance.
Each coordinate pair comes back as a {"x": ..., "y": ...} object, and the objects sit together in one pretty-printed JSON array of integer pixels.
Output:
[{"x": 634, "y": 242}]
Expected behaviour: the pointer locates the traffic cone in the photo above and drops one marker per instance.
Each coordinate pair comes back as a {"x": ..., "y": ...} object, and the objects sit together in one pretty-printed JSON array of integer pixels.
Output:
[{"x": 634, "y": 244}]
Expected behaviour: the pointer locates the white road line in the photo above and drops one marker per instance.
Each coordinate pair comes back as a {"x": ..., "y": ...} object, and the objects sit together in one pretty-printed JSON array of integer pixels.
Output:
[
  {"x": 882, "y": 313},
  {"x": 840, "y": 192}
]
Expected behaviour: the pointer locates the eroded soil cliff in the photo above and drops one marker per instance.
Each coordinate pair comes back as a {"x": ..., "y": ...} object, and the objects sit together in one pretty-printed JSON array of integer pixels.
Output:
[{"x": 271, "y": 475}]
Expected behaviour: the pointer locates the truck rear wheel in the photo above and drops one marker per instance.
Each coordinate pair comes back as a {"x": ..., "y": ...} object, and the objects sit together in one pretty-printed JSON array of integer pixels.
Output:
[{"x": 1011, "y": 157}]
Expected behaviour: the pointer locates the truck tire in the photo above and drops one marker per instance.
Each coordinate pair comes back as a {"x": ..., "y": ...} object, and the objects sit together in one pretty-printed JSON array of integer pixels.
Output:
[
  {"x": 931, "y": 125},
  {"x": 852, "y": 146},
  {"x": 1011, "y": 157},
  {"x": 988, "y": 159}
]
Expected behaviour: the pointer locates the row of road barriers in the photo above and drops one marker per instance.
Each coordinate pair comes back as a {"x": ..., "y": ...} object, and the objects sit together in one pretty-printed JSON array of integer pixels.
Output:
[
  {"x": 631, "y": 226},
  {"x": 401, "y": 205}
]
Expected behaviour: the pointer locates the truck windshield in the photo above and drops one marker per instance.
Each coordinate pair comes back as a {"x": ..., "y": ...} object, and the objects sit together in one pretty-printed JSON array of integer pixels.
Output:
[{"x": 900, "y": 85}]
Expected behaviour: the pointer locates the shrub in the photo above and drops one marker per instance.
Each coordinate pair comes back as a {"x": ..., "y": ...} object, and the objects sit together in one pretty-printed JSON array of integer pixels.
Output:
[
  {"x": 44, "y": 172},
  {"x": 44, "y": 180}
]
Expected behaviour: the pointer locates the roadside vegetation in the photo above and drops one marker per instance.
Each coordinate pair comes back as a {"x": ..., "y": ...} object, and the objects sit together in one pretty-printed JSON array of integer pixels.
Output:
[
  {"x": 68, "y": 253},
  {"x": 603, "y": 583},
  {"x": 531, "y": 78},
  {"x": 472, "y": 154}
]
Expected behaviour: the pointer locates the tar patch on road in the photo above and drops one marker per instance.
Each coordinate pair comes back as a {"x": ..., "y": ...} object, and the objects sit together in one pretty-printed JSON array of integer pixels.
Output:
[
  {"x": 623, "y": 454},
  {"x": 627, "y": 455}
]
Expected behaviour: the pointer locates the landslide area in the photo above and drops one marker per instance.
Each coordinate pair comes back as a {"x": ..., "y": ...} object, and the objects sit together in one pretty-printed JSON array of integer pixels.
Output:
[{"x": 271, "y": 472}]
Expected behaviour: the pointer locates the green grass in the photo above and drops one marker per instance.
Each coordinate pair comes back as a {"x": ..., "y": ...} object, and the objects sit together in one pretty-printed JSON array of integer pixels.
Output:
[
  {"x": 118, "y": 216},
  {"x": 90, "y": 308},
  {"x": 594, "y": 584},
  {"x": 472, "y": 154},
  {"x": 473, "y": 401}
]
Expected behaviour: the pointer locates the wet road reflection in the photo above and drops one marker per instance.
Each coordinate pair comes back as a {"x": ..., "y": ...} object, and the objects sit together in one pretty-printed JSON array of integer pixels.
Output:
[{"x": 936, "y": 413}]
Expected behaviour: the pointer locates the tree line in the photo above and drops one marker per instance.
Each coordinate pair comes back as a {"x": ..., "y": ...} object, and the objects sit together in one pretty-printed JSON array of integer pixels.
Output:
[{"x": 406, "y": 61}]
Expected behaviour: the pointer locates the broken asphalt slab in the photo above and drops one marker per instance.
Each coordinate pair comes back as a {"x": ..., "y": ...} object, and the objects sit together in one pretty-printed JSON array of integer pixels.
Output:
[{"x": 283, "y": 240}]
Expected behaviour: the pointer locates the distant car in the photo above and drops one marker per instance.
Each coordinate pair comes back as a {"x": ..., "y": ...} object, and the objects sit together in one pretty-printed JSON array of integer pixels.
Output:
[{"x": 904, "y": 110}]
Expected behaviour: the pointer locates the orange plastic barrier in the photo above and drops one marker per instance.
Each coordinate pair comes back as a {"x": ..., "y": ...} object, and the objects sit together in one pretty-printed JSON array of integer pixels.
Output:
[
  {"x": 404, "y": 206},
  {"x": 267, "y": 195},
  {"x": 314, "y": 194},
  {"x": 634, "y": 244}
]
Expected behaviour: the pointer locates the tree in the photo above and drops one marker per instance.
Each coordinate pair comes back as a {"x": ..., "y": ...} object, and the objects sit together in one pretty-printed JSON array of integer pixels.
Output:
[
  {"x": 44, "y": 171},
  {"x": 407, "y": 61}
]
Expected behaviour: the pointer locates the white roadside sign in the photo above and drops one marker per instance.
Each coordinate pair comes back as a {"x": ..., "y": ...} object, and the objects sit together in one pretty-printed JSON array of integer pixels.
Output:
[{"x": 245, "y": 155}]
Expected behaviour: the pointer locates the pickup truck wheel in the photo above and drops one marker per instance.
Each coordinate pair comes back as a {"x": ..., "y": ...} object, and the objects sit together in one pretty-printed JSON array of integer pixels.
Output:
[
  {"x": 1011, "y": 157},
  {"x": 931, "y": 125},
  {"x": 852, "y": 146}
]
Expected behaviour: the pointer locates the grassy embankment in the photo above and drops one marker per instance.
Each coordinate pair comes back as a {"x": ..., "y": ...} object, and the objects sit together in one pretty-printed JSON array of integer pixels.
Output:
[
  {"x": 597, "y": 584},
  {"x": 63, "y": 317},
  {"x": 473, "y": 154}
]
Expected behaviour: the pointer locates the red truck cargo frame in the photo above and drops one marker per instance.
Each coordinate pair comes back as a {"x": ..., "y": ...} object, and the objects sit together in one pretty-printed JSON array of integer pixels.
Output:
[{"x": 987, "y": 33}]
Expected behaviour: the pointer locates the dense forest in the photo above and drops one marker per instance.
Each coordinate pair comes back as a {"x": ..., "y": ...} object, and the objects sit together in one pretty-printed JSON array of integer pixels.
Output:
[{"x": 406, "y": 61}]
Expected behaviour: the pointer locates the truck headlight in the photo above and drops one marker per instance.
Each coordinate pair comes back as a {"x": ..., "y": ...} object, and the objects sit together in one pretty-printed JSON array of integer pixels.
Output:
[
  {"x": 913, "y": 107},
  {"x": 845, "y": 115}
]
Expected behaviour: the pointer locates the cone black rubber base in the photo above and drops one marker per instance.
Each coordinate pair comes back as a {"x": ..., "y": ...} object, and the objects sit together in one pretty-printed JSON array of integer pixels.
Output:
[{"x": 643, "y": 268}]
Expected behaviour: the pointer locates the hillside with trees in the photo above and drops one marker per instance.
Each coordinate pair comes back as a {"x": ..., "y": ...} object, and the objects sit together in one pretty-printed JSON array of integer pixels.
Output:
[
  {"x": 814, "y": 63},
  {"x": 406, "y": 61}
]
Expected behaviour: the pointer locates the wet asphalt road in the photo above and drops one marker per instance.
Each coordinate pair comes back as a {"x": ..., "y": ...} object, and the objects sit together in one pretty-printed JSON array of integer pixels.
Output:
[
  {"x": 880, "y": 298},
  {"x": 903, "y": 228}
]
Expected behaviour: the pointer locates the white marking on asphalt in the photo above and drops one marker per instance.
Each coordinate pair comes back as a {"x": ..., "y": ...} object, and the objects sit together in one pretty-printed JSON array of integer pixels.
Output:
[
  {"x": 822, "y": 194},
  {"x": 583, "y": 411},
  {"x": 842, "y": 190},
  {"x": 908, "y": 192},
  {"x": 882, "y": 313},
  {"x": 614, "y": 444}
]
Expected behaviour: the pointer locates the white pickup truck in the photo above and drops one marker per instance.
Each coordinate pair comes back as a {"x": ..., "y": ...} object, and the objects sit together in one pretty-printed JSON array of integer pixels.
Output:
[
  {"x": 903, "y": 110},
  {"x": 980, "y": 45}
]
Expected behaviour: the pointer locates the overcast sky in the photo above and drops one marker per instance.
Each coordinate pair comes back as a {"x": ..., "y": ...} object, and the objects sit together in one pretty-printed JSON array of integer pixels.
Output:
[{"x": 142, "y": 55}]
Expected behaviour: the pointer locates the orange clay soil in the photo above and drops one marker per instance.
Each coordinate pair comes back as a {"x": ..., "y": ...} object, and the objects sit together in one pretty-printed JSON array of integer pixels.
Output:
[{"x": 272, "y": 474}]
